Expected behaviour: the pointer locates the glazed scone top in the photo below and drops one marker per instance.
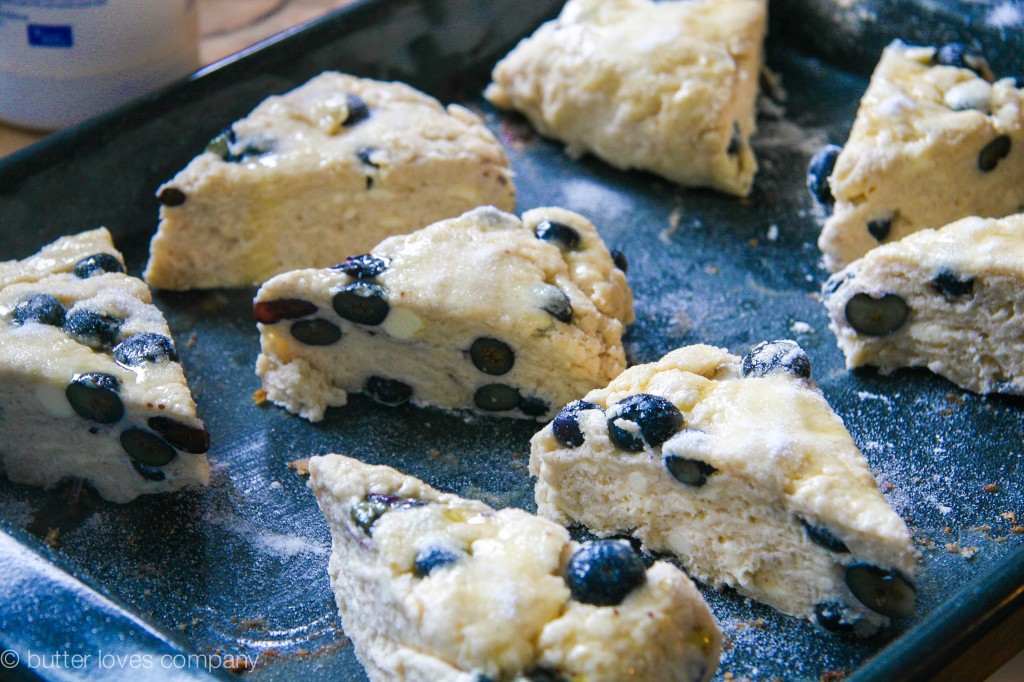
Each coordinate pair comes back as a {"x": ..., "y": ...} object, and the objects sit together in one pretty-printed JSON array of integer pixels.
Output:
[
  {"x": 613, "y": 73},
  {"x": 320, "y": 120},
  {"x": 805, "y": 453}
]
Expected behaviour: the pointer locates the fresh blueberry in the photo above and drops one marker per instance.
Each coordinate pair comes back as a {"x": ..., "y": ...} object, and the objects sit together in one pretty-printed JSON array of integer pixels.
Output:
[
  {"x": 541, "y": 673},
  {"x": 315, "y": 332},
  {"x": 876, "y": 316},
  {"x": 388, "y": 391},
  {"x": 656, "y": 419},
  {"x": 171, "y": 196},
  {"x": 950, "y": 285},
  {"x": 561, "y": 235},
  {"x": 357, "y": 110},
  {"x": 432, "y": 558},
  {"x": 556, "y": 303},
  {"x": 147, "y": 447},
  {"x": 604, "y": 572},
  {"x": 879, "y": 228},
  {"x": 145, "y": 347},
  {"x": 194, "y": 439},
  {"x": 97, "y": 264},
  {"x": 994, "y": 152},
  {"x": 365, "y": 156},
  {"x": 885, "y": 591},
  {"x": 533, "y": 406},
  {"x": 94, "y": 396},
  {"x": 496, "y": 398},
  {"x": 833, "y": 616},
  {"x": 566, "y": 426},
  {"x": 818, "y": 171},
  {"x": 41, "y": 308},
  {"x": 366, "y": 512},
  {"x": 780, "y": 356},
  {"x": 366, "y": 266},
  {"x": 689, "y": 471},
  {"x": 147, "y": 472},
  {"x": 362, "y": 302},
  {"x": 823, "y": 537},
  {"x": 270, "y": 312},
  {"x": 92, "y": 329},
  {"x": 492, "y": 356},
  {"x": 620, "y": 260}
]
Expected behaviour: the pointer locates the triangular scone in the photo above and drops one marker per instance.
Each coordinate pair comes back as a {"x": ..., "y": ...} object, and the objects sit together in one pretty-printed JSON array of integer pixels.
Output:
[
  {"x": 483, "y": 312},
  {"x": 932, "y": 143},
  {"x": 92, "y": 387},
  {"x": 436, "y": 588},
  {"x": 946, "y": 299},
  {"x": 741, "y": 470},
  {"x": 325, "y": 170},
  {"x": 665, "y": 87}
]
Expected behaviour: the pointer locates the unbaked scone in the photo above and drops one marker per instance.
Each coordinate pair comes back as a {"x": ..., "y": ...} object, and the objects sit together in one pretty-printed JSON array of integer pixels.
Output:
[
  {"x": 933, "y": 141},
  {"x": 483, "y": 312},
  {"x": 951, "y": 300},
  {"x": 665, "y": 87},
  {"x": 92, "y": 385},
  {"x": 741, "y": 470},
  {"x": 436, "y": 588},
  {"x": 325, "y": 170}
]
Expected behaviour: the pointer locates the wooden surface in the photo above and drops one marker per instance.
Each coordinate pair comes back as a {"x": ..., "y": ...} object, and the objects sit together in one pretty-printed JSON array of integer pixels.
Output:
[{"x": 225, "y": 27}]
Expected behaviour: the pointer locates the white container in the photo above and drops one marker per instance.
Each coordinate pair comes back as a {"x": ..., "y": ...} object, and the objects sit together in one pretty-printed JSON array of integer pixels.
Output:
[{"x": 62, "y": 61}]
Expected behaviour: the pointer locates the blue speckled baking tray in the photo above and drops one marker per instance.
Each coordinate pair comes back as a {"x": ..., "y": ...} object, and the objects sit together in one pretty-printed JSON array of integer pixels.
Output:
[{"x": 237, "y": 573}]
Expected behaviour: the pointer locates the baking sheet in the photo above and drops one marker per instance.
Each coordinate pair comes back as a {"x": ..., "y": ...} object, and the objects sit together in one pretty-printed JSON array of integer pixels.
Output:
[{"x": 238, "y": 571}]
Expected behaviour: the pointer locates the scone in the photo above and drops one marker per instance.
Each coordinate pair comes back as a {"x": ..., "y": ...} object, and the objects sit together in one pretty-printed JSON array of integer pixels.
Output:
[
  {"x": 92, "y": 385},
  {"x": 741, "y": 470},
  {"x": 933, "y": 141},
  {"x": 483, "y": 312},
  {"x": 947, "y": 299},
  {"x": 665, "y": 87},
  {"x": 325, "y": 170},
  {"x": 436, "y": 588}
]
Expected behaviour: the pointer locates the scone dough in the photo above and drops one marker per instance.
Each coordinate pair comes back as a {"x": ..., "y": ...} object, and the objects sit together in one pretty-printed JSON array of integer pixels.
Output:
[
  {"x": 931, "y": 143},
  {"x": 318, "y": 173},
  {"x": 949, "y": 299},
  {"x": 665, "y": 87},
  {"x": 477, "y": 312},
  {"x": 755, "y": 483},
  {"x": 438, "y": 588},
  {"x": 92, "y": 386}
]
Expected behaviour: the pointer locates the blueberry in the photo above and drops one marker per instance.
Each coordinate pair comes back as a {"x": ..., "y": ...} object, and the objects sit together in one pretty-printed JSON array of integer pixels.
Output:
[
  {"x": 993, "y": 152},
  {"x": 532, "y": 406},
  {"x": 780, "y": 356},
  {"x": 689, "y": 471},
  {"x": 315, "y": 332},
  {"x": 97, "y": 264},
  {"x": 366, "y": 266},
  {"x": 97, "y": 331},
  {"x": 388, "y": 391},
  {"x": 885, "y": 591},
  {"x": 496, "y": 398},
  {"x": 366, "y": 512},
  {"x": 145, "y": 347},
  {"x": 963, "y": 57},
  {"x": 357, "y": 110},
  {"x": 735, "y": 140},
  {"x": 432, "y": 558},
  {"x": 147, "y": 472},
  {"x": 876, "y": 316},
  {"x": 362, "y": 302},
  {"x": 171, "y": 196},
  {"x": 879, "y": 228},
  {"x": 492, "y": 356},
  {"x": 365, "y": 156},
  {"x": 228, "y": 147},
  {"x": 270, "y": 312},
  {"x": 561, "y": 235},
  {"x": 950, "y": 285},
  {"x": 620, "y": 260},
  {"x": 194, "y": 439},
  {"x": 147, "y": 447},
  {"x": 540, "y": 673},
  {"x": 656, "y": 418},
  {"x": 823, "y": 537},
  {"x": 41, "y": 308},
  {"x": 94, "y": 396},
  {"x": 566, "y": 426},
  {"x": 818, "y": 171},
  {"x": 604, "y": 572},
  {"x": 556, "y": 303},
  {"x": 832, "y": 616}
]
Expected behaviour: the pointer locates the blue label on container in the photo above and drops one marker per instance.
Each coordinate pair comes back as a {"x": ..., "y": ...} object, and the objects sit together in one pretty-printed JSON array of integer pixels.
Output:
[{"x": 48, "y": 35}]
